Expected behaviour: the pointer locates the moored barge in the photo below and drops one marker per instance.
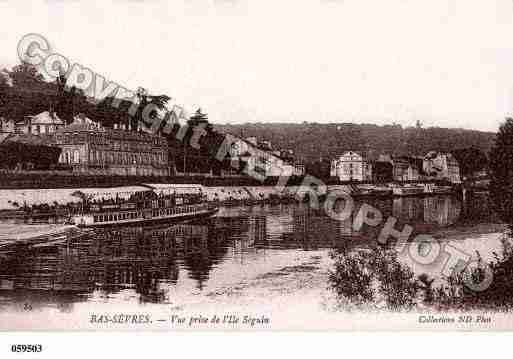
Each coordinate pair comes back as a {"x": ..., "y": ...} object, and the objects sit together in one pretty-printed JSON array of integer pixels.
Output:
[{"x": 145, "y": 207}]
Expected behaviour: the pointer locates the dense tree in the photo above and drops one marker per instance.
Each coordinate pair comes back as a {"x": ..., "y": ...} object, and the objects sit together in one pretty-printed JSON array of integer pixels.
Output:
[
  {"x": 69, "y": 101},
  {"x": 4, "y": 89},
  {"x": 200, "y": 119},
  {"x": 200, "y": 157},
  {"x": 26, "y": 76},
  {"x": 312, "y": 142},
  {"x": 4, "y": 80},
  {"x": 501, "y": 172},
  {"x": 158, "y": 103},
  {"x": 471, "y": 160},
  {"x": 319, "y": 169}
]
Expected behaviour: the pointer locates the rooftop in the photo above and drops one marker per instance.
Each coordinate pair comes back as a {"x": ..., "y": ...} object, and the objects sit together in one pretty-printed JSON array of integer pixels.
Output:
[
  {"x": 82, "y": 124},
  {"x": 46, "y": 118}
]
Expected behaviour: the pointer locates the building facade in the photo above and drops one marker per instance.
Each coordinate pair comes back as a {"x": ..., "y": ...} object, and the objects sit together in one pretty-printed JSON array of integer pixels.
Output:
[
  {"x": 260, "y": 158},
  {"x": 351, "y": 166},
  {"x": 91, "y": 149},
  {"x": 442, "y": 166},
  {"x": 7, "y": 125},
  {"x": 44, "y": 123},
  {"x": 299, "y": 169},
  {"x": 404, "y": 168},
  {"x": 401, "y": 169},
  {"x": 240, "y": 157}
]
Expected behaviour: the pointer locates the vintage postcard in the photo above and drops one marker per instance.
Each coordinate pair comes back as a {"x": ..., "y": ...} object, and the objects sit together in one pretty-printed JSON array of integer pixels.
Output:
[{"x": 256, "y": 166}]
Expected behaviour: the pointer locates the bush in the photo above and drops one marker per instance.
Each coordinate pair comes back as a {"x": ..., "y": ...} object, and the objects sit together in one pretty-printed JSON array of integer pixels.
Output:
[{"x": 372, "y": 275}]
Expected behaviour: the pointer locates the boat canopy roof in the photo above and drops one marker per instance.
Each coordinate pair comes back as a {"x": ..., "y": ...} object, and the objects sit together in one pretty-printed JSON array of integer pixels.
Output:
[
  {"x": 113, "y": 192},
  {"x": 126, "y": 191},
  {"x": 168, "y": 188}
]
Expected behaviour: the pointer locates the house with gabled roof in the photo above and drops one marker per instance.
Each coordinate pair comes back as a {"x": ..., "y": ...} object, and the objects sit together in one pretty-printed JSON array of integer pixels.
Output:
[
  {"x": 351, "y": 166},
  {"x": 46, "y": 122}
]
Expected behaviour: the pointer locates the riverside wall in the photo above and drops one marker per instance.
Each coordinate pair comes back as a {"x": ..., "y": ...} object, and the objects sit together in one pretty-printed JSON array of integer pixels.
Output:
[{"x": 11, "y": 199}]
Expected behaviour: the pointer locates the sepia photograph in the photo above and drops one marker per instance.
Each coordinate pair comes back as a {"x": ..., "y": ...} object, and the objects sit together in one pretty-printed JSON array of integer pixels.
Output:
[{"x": 239, "y": 165}]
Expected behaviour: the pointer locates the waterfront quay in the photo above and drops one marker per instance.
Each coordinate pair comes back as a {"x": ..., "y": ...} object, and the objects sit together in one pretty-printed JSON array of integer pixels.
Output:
[
  {"x": 15, "y": 199},
  {"x": 34, "y": 216}
]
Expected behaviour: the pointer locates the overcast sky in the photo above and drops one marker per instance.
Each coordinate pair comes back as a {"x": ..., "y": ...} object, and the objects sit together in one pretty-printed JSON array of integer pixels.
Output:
[{"x": 448, "y": 63}]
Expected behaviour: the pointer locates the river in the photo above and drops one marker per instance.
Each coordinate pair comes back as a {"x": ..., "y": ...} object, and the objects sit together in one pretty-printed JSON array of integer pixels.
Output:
[{"x": 244, "y": 255}]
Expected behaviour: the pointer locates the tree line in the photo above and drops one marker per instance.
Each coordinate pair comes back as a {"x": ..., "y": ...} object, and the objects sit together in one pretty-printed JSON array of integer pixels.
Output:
[
  {"x": 24, "y": 92},
  {"x": 316, "y": 144}
]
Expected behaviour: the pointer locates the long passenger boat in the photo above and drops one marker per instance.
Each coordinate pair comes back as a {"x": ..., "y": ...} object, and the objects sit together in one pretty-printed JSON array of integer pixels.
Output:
[
  {"x": 408, "y": 191},
  {"x": 142, "y": 208}
]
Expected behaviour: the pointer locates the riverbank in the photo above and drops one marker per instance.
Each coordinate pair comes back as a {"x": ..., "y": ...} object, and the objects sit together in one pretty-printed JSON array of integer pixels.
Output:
[
  {"x": 14, "y": 199},
  {"x": 461, "y": 232}
]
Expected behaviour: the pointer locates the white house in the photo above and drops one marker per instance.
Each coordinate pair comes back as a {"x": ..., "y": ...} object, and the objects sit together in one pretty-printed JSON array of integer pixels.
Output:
[
  {"x": 45, "y": 123},
  {"x": 351, "y": 166},
  {"x": 260, "y": 158}
]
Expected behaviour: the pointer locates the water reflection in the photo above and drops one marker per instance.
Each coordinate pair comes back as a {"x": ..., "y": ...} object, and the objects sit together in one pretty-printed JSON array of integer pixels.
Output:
[{"x": 153, "y": 264}]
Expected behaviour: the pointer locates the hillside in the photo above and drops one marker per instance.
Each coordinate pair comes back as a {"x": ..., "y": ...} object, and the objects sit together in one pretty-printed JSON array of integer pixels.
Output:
[{"x": 313, "y": 141}]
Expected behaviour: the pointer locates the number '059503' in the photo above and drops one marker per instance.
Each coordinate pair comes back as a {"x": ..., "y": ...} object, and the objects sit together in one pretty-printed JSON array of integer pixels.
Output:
[{"x": 26, "y": 348}]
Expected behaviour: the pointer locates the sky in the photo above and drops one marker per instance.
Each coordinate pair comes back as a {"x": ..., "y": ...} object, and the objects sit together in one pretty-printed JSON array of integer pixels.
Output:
[{"x": 446, "y": 63}]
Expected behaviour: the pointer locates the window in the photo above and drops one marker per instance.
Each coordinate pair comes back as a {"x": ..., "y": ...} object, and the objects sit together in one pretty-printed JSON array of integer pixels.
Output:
[{"x": 76, "y": 156}]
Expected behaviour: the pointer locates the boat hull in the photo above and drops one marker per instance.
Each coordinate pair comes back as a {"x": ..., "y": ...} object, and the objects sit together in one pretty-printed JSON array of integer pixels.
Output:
[
  {"x": 154, "y": 220},
  {"x": 407, "y": 192}
]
